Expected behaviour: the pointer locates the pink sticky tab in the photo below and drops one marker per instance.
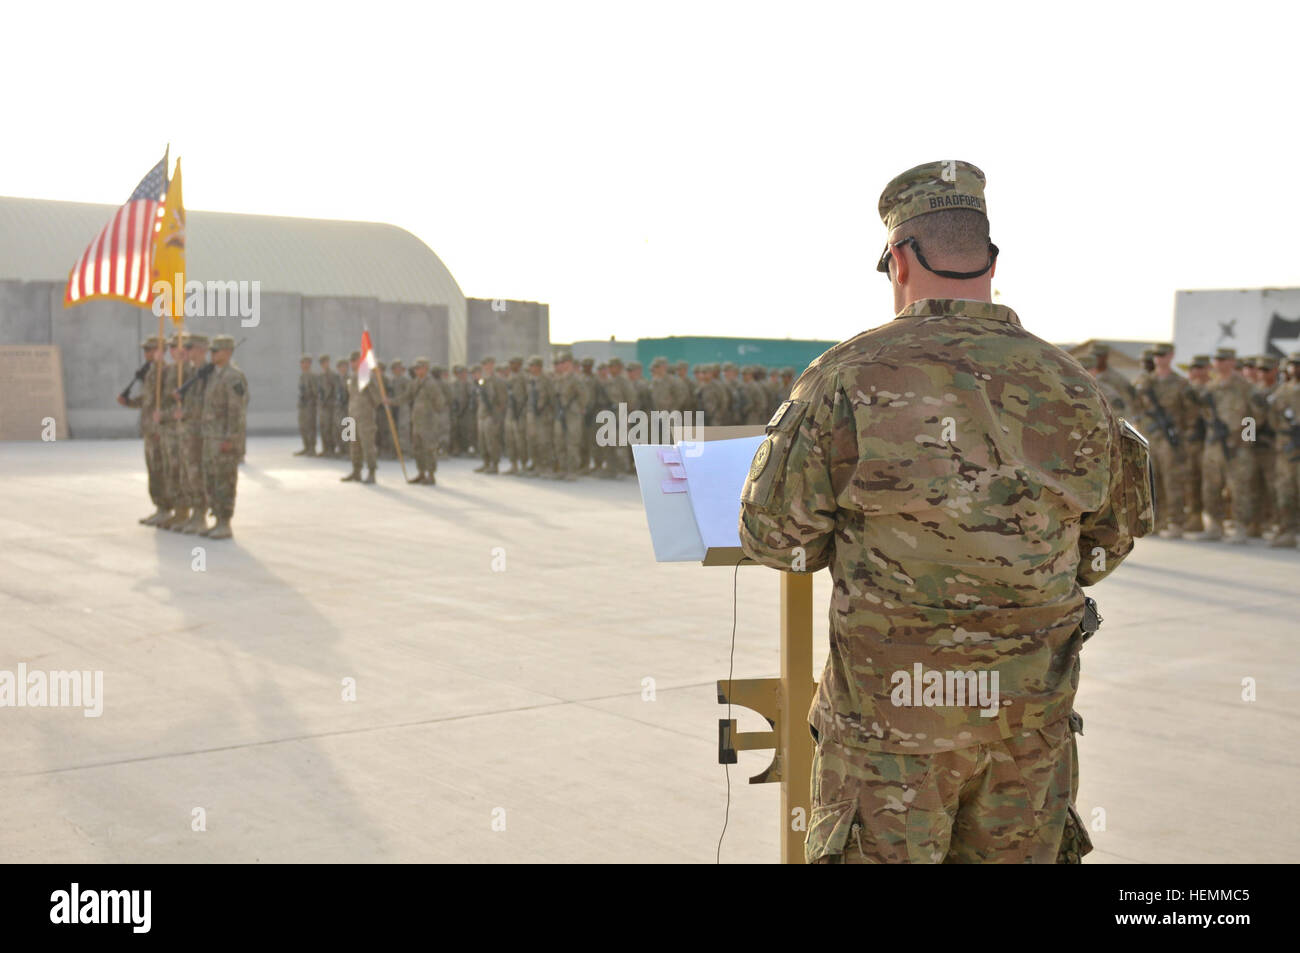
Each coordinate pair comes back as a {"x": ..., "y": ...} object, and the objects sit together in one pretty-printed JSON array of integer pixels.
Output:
[
  {"x": 674, "y": 486},
  {"x": 677, "y": 471},
  {"x": 669, "y": 455}
]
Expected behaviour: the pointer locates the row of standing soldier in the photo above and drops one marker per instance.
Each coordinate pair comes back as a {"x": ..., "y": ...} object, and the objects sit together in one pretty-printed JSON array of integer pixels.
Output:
[
  {"x": 193, "y": 426},
  {"x": 543, "y": 423},
  {"x": 1225, "y": 440}
]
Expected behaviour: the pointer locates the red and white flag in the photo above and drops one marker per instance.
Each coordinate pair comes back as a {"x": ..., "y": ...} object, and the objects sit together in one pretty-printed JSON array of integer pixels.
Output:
[{"x": 368, "y": 361}]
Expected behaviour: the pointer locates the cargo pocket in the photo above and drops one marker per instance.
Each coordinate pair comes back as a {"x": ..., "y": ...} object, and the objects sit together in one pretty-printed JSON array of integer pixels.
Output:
[
  {"x": 1139, "y": 482},
  {"x": 1075, "y": 842},
  {"x": 829, "y": 827}
]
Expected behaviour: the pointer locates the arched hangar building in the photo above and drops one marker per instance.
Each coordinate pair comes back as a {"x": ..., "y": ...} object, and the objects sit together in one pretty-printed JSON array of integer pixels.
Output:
[{"x": 319, "y": 282}]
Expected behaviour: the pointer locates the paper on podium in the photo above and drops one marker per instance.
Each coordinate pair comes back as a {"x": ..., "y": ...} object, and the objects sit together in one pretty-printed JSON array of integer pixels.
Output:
[{"x": 700, "y": 524}]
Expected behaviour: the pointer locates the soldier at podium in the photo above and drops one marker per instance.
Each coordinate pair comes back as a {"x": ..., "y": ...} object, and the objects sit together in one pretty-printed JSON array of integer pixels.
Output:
[{"x": 962, "y": 479}]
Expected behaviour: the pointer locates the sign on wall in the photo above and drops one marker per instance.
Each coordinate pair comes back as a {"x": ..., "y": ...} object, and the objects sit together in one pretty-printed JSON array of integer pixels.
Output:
[{"x": 32, "y": 405}]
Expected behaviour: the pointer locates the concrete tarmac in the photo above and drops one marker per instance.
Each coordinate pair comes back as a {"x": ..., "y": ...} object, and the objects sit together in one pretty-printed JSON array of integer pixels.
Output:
[{"x": 529, "y": 684}]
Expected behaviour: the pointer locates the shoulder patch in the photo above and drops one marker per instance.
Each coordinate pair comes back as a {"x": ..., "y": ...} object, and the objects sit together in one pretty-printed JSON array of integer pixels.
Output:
[
  {"x": 760, "y": 459},
  {"x": 238, "y": 387}
]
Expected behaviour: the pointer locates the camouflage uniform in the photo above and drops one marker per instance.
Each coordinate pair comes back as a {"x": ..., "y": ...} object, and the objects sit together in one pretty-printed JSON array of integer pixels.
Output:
[
  {"x": 444, "y": 413},
  {"x": 155, "y": 467},
  {"x": 516, "y": 437},
  {"x": 400, "y": 396},
  {"x": 1193, "y": 506},
  {"x": 1227, "y": 403},
  {"x": 428, "y": 404},
  {"x": 327, "y": 392},
  {"x": 570, "y": 414},
  {"x": 170, "y": 432},
  {"x": 491, "y": 419},
  {"x": 224, "y": 414},
  {"x": 462, "y": 412},
  {"x": 191, "y": 427},
  {"x": 308, "y": 398},
  {"x": 1284, "y": 408},
  {"x": 958, "y": 476},
  {"x": 362, "y": 408},
  {"x": 340, "y": 408},
  {"x": 539, "y": 419},
  {"x": 1173, "y": 397}
]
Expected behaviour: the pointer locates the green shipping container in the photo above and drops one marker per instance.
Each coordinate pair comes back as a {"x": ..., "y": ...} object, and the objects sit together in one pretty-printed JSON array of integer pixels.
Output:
[{"x": 769, "y": 352}]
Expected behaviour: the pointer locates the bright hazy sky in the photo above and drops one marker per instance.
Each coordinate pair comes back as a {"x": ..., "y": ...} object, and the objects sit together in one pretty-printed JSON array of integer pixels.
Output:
[{"x": 699, "y": 168}]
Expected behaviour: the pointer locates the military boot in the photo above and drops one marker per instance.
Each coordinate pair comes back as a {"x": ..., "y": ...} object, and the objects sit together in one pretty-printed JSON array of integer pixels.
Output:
[
  {"x": 1195, "y": 524},
  {"x": 494, "y": 470},
  {"x": 177, "y": 524},
  {"x": 304, "y": 452},
  {"x": 1171, "y": 532},
  {"x": 419, "y": 478},
  {"x": 1213, "y": 530},
  {"x": 482, "y": 469},
  {"x": 431, "y": 481},
  {"x": 1240, "y": 535},
  {"x": 1283, "y": 541},
  {"x": 172, "y": 517},
  {"x": 353, "y": 477},
  {"x": 514, "y": 469},
  {"x": 197, "y": 523},
  {"x": 158, "y": 514},
  {"x": 370, "y": 476},
  {"x": 221, "y": 530}
]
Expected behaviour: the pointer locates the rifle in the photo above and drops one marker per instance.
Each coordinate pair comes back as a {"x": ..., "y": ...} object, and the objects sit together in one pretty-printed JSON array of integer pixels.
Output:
[
  {"x": 1220, "y": 428},
  {"x": 139, "y": 376},
  {"x": 204, "y": 372},
  {"x": 1161, "y": 417}
]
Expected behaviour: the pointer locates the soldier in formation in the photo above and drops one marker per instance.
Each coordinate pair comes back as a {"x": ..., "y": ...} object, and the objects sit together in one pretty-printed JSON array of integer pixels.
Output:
[{"x": 308, "y": 403}]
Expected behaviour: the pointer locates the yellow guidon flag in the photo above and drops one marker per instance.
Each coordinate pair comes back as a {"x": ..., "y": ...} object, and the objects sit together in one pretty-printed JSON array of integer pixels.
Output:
[{"x": 169, "y": 253}]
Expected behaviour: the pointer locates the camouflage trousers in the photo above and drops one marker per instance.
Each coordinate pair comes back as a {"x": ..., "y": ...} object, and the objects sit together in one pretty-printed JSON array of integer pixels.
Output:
[
  {"x": 1170, "y": 477},
  {"x": 513, "y": 441},
  {"x": 156, "y": 468},
  {"x": 489, "y": 438},
  {"x": 1004, "y": 802},
  {"x": 465, "y": 429},
  {"x": 220, "y": 474},
  {"x": 325, "y": 417},
  {"x": 425, "y": 443},
  {"x": 336, "y": 441},
  {"x": 540, "y": 431},
  {"x": 1193, "y": 506},
  {"x": 1286, "y": 479},
  {"x": 363, "y": 448},
  {"x": 1264, "y": 484},
  {"x": 307, "y": 426},
  {"x": 195, "y": 494},
  {"x": 568, "y": 442},
  {"x": 171, "y": 451},
  {"x": 1218, "y": 473}
]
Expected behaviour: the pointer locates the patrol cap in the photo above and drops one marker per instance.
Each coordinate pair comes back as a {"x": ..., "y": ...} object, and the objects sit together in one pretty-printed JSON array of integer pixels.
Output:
[
  {"x": 516, "y": 360},
  {"x": 1293, "y": 357},
  {"x": 728, "y": 365},
  {"x": 355, "y": 356},
  {"x": 381, "y": 365},
  {"x": 1162, "y": 349},
  {"x": 485, "y": 360},
  {"x": 324, "y": 357},
  {"x": 659, "y": 361},
  {"x": 150, "y": 342},
  {"x": 681, "y": 364},
  {"x": 535, "y": 360},
  {"x": 634, "y": 365},
  {"x": 1200, "y": 360},
  {"x": 1101, "y": 350},
  {"x": 196, "y": 340},
  {"x": 1266, "y": 363},
  {"x": 459, "y": 368},
  {"x": 787, "y": 371},
  {"x": 588, "y": 361},
  {"x": 615, "y": 362},
  {"x": 175, "y": 340},
  {"x": 306, "y": 357},
  {"x": 223, "y": 342},
  {"x": 1148, "y": 353},
  {"x": 437, "y": 369},
  {"x": 1225, "y": 354},
  {"x": 397, "y": 362},
  {"x": 932, "y": 187},
  {"x": 420, "y": 362},
  {"x": 563, "y": 356}
]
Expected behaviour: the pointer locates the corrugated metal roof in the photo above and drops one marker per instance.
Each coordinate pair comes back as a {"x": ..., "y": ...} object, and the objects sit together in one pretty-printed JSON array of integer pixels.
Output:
[{"x": 40, "y": 240}]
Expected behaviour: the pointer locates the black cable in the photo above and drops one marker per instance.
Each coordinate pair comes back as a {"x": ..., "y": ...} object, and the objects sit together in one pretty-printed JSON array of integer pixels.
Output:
[{"x": 731, "y": 668}]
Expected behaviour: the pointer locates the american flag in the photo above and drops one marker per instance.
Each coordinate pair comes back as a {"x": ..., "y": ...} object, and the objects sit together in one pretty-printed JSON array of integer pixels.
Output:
[{"x": 119, "y": 262}]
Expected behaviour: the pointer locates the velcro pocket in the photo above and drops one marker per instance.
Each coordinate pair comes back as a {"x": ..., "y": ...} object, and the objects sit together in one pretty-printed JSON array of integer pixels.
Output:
[
  {"x": 1139, "y": 482},
  {"x": 829, "y": 827},
  {"x": 768, "y": 467}
]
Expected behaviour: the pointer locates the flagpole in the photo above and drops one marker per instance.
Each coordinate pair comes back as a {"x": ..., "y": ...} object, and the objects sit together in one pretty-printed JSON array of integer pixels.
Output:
[
  {"x": 391, "y": 426},
  {"x": 162, "y": 331}
]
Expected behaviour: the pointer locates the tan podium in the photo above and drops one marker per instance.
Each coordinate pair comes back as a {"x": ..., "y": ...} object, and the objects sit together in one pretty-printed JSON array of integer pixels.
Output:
[{"x": 689, "y": 526}]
